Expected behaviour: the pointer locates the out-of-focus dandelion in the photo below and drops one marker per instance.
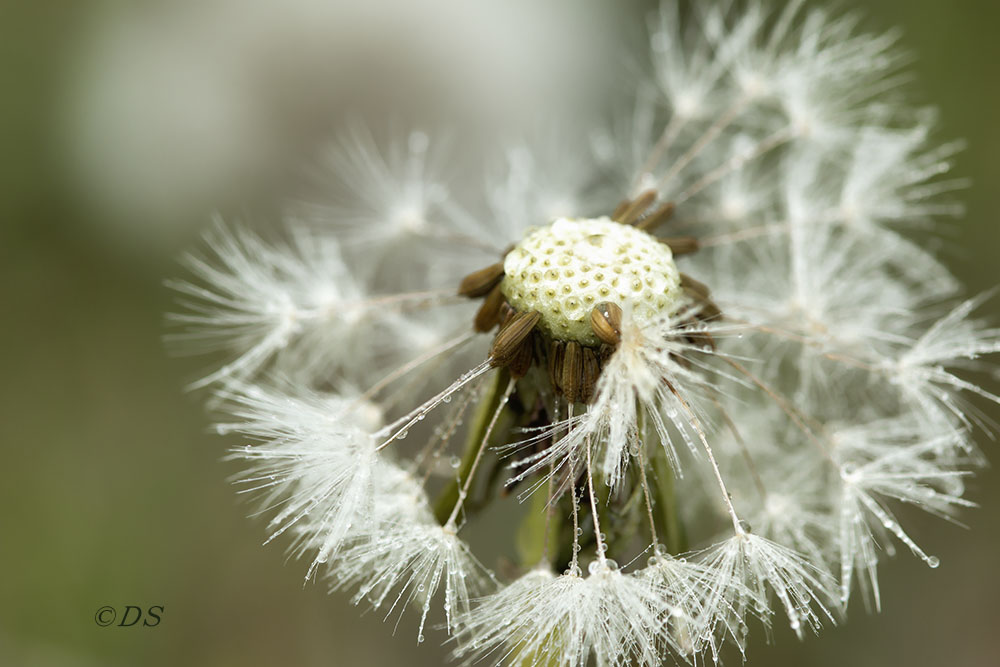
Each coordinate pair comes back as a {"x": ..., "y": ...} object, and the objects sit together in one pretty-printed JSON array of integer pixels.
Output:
[{"x": 723, "y": 372}]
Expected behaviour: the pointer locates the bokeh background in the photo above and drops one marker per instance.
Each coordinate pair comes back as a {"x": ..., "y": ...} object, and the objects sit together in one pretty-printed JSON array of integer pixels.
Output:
[{"x": 123, "y": 124}]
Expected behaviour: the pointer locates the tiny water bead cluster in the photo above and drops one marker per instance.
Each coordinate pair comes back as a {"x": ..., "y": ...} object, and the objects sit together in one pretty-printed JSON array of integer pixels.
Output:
[{"x": 699, "y": 391}]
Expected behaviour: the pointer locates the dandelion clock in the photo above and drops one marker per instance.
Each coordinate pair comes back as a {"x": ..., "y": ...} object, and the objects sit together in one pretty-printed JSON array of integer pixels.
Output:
[{"x": 690, "y": 398}]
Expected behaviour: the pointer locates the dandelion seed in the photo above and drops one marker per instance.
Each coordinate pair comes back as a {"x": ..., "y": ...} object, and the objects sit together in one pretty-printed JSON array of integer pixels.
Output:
[
  {"x": 403, "y": 564},
  {"x": 609, "y": 617},
  {"x": 314, "y": 468},
  {"x": 743, "y": 571}
]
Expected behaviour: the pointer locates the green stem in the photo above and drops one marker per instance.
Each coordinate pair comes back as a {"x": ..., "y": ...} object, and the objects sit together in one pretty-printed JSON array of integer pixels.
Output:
[
  {"x": 538, "y": 525},
  {"x": 445, "y": 502},
  {"x": 669, "y": 522},
  {"x": 667, "y": 518}
]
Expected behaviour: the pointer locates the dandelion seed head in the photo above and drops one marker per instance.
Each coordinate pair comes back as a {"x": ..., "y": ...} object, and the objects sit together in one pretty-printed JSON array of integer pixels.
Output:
[{"x": 700, "y": 341}]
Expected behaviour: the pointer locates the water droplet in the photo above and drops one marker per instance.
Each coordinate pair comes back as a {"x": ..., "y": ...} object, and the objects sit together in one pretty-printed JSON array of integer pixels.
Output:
[
  {"x": 455, "y": 462},
  {"x": 745, "y": 527},
  {"x": 933, "y": 561},
  {"x": 594, "y": 567}
]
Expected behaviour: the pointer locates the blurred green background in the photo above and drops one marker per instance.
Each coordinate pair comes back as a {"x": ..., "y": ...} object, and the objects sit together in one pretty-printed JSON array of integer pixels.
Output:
[{"x": 113, "y": 492}]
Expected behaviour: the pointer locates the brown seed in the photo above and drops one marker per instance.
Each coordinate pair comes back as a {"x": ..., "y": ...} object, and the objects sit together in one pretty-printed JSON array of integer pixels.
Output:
[
  {"x": 591, "y": 372},
  {"x": 682, "y": 245},
  {"x": 523, "y": 357},
  {"x": 709, "y": 311},
  {"x": 694, "y": 287},
  {"x": 606, "y": 322},
  {"x": 488, "y": 315},
  {"x": 479, "y": 283},
  {"x": 700, "y": 291},
  {"x": 635, "y": 208},
  {"x": 657, "y": 217},
  {"x": 572, "y": 371},
  {"x": 557, "y": 350},
  {"x": 621, "y": 208},
  {"x": 507, "y": 343}
]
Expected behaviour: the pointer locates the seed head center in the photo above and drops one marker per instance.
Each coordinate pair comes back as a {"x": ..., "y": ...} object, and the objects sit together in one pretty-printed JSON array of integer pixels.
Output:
[{"x": 566, "y": 268}]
